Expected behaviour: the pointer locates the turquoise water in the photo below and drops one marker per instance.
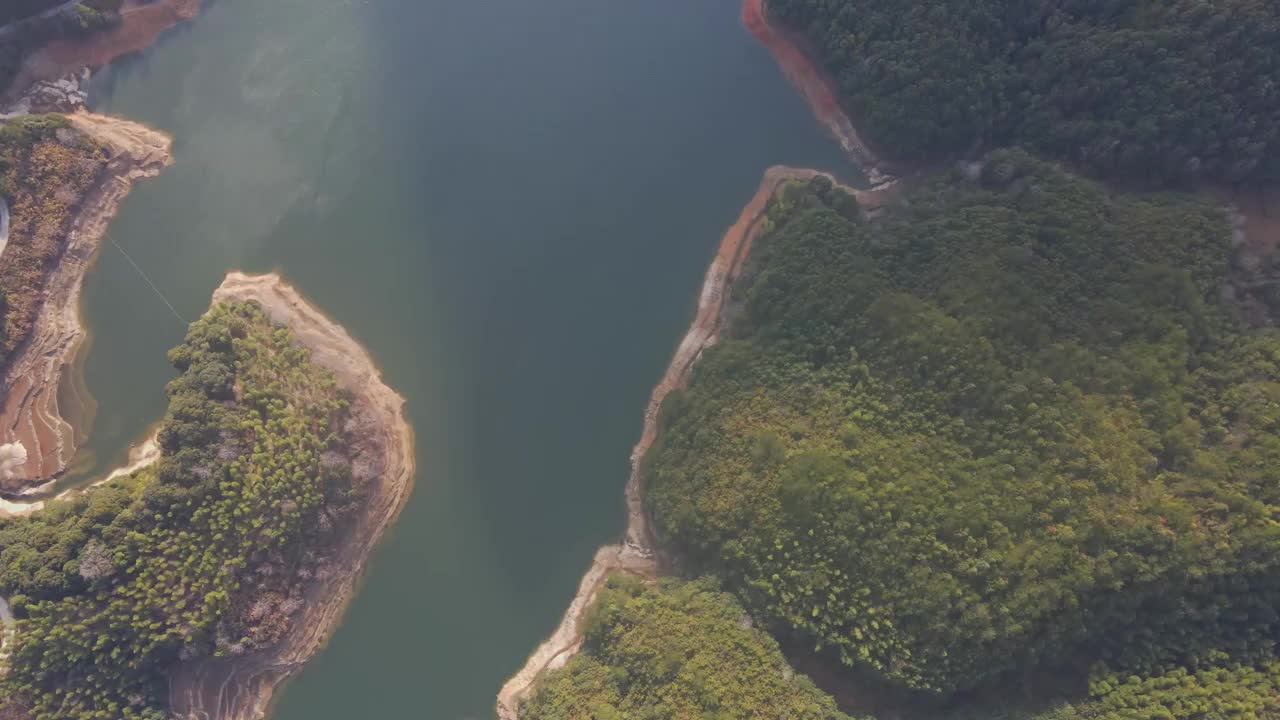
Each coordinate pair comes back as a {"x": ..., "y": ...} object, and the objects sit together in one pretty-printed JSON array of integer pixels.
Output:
[{"x": 511, "y": 205}]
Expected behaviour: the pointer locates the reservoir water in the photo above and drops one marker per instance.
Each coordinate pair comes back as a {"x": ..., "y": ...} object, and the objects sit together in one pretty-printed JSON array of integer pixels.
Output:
[{"x": 511, "y": 204}]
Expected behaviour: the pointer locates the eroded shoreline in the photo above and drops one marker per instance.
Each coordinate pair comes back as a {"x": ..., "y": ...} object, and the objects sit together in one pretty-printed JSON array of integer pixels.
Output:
[
  {"x": 141, "y": 23},
  {"x": 30, "y": 413},
  {"x": 816, "y": 88},
  {"x": 637, "y": 553},
  {"x": 242, "y": 688}
]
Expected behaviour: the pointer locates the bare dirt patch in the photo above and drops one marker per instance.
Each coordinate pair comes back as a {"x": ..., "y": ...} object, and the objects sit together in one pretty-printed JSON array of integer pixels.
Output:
[{"x": 638, "y": 554}]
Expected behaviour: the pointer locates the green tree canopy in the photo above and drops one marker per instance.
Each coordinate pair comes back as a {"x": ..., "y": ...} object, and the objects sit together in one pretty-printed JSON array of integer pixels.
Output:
[
  {"x": 1157, "y": 90},
  {"x": 1007, "y": 423}
]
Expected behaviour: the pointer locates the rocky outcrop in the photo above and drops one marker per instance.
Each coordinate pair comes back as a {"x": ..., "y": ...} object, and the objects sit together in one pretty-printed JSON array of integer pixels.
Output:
[
  {"x": 63, "y": 95},
  {"x": 241, "y": 688},
  {"x": 30, "y": 413}
]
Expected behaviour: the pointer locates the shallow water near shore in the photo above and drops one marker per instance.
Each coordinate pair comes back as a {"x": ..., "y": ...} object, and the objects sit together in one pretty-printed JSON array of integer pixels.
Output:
[{"x": 512, "y": 207}]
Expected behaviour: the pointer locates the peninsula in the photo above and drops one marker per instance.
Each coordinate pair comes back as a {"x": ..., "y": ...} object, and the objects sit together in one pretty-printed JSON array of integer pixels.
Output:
[
  {"x": 995, "y": 449},
  {"x": 284, "y": 458},
  {"x": 216, "y": 563}
]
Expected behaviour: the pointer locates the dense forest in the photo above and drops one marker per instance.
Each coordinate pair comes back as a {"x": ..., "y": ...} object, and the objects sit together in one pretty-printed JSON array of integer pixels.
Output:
[
  {"x": 205, "y": 553},
  {"x": 45, "y": 169},
  {"x": 674, "y": 650},
  {"x": 677, "y": 650},
  {"x": 1154, "y": 90},
  {"x": 1010, "y": 424}
]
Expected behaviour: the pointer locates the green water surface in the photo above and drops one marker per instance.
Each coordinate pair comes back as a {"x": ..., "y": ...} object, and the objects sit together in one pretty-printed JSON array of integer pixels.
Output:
[{"x": 511, "y": 204}]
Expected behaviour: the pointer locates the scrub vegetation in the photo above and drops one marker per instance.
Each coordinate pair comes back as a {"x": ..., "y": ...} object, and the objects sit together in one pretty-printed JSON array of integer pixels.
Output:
[
  {"x": 1154, "y": 90},
  {"x": 1010, "y": 425},
  {"x": 673, "y": 649},
  {"x": 46, "y": 168},
  {"x": 204, "y": 554}
]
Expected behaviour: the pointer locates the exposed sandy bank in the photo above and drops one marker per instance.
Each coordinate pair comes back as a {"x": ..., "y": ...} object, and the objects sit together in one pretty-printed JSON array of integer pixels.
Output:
[
  {"x": 4, "y": 224},
  {"x": 816, "y": 88},
  {"x": 30, "y": 413},
  {"x": 140, "y": 456},
  {"x": 637, "y": 554},
  {"x": 241, "y": 688}
]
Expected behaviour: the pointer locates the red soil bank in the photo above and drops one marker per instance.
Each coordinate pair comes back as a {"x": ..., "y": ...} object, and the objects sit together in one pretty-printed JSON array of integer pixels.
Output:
[
  {"x": 140, "y": 24},
  {"x": 814, "y": 85}
]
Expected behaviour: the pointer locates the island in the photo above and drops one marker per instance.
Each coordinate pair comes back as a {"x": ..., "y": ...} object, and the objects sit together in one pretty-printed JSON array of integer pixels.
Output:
[{"x": 194, "y": 585}]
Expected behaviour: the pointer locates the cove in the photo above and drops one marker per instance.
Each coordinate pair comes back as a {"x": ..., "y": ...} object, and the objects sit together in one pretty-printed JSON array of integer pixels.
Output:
[{"x": 511, "y": 206}]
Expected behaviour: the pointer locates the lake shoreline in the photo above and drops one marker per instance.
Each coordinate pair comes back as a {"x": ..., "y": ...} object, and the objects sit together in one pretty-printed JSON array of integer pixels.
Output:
[
  {"x": 818, "y": 89},
  {"x": 31, "y": 414},
  {"x": 141, "y": 24},
  {"x": 243, "y": 688},
  {"x": 638, "y": 553},
  {"x": 52, "y": 80}
]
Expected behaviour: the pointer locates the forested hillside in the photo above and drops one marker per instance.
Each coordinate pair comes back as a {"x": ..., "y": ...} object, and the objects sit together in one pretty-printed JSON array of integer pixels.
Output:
[
  {"x": 1010, "y": 424},
  {"x": 206, "y": 553},
  {"x": 675, "y": 650},
  {"x": 19, "y": 9},
  {"x": 1154, "y": 90},
  {"x": 688, "y": 651},
  {"x": 45, "y": 169}
]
